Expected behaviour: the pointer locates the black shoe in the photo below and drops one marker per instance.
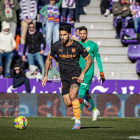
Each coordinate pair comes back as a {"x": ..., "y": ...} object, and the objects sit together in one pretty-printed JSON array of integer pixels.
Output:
[{"x": 117, "y": 36}]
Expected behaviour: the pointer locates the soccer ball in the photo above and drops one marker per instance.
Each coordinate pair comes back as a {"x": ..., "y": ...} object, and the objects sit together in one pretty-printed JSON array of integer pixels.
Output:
[{"x": 20, "y": 122}]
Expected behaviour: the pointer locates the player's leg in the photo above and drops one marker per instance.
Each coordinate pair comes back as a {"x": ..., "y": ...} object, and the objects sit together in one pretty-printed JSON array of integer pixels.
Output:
[
  {"x": 75, "y": 104},
  {"x": 67, "y": 100},
  {"x": 82, "y": 92},
  {"x": 71, "y": 100},
  {"x": 95, "y": 111},
  {"x": 84, "y": 89},
  {"x": 91, "y": 101},
  {"x": 65, "y": 86},
  {"x": 87, "y": 81}
]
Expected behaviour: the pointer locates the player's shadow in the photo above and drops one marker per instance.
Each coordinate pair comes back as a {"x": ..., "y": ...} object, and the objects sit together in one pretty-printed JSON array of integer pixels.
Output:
[{"x": 94, "y": 127}]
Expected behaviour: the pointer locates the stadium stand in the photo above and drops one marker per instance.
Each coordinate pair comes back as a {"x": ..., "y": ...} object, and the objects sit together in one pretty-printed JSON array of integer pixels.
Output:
[{"x": 114, "y": 56}]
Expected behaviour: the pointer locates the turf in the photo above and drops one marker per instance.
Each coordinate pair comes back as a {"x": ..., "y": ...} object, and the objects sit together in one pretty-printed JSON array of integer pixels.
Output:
[{"x": 42, "y": 128}]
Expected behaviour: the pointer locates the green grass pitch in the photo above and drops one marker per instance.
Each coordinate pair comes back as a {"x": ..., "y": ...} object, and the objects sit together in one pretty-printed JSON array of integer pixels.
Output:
[{"x": 42, "y": 128}]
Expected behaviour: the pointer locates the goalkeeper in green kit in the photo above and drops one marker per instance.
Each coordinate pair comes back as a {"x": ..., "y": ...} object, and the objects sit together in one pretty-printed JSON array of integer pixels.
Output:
[{"x": 93, "y": 50}]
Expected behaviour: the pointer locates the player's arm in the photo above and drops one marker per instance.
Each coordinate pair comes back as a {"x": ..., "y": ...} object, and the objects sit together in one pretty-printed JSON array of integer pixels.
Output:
[
  {"x": 99, "y": 63},
  {"x": 88, "y": 59},
  {"x": 47, "y": 65},
  {"x": 87, "y": 65}
]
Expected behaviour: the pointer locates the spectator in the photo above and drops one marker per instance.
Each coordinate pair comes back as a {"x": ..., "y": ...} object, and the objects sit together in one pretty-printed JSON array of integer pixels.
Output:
[
  {"x": 33, "y": 73},
  {"x": 70, "y": 6},
  {"x": 27, "y": 15},
  {"x": 21, "y": 63},
  {"x": 76, "y": 36},
  {"x": 105, "y": 4},
  {"x": 121, "y": 9},
  {"x": 7, "y": 45},
  {"x": 135, "y": 12},
  {"x": 8, "y": 13},
  {"x": 33, "y": 41},
  {"x": 52, "y": 22},
  {"x": 53, "y": 73},
  {"x": 19, "y": 78}
]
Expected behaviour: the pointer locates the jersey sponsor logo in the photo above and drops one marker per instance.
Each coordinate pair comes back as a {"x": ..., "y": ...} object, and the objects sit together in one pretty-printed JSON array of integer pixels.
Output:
[
  {"x": 73, "y": 50},
  {"x": 67, "y": 56},
  {"x": 88, "y": 48}
]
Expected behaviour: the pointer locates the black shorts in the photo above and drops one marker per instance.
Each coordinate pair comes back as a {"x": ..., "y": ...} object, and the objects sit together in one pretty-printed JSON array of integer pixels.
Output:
[{"x": 68, "y": 81}]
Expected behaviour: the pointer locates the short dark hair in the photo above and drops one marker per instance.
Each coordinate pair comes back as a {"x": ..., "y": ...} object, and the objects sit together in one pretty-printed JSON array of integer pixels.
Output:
[
  {"x": 65, "y": 28},
  {"x": 77, "y": 28},
  {"x": 82, "y": 28},
  {"x": 31, "y": 24}
]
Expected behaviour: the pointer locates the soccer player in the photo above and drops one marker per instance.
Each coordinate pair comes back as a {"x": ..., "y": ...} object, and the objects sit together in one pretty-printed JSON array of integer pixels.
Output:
[
  {"x": 68, "y": 52},
  {"x": 93, "y": 50}
]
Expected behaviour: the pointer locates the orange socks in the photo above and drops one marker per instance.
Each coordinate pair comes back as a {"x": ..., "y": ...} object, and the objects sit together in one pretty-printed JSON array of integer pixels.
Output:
[{"x": 76, "y": 108}]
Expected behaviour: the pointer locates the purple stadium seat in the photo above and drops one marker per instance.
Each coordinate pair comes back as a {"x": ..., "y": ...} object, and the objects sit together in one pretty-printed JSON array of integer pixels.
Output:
[
  {"x": 127, "y": 36},
  {"x": 110, "y": 8},
  {"x": 20, "y": 50},
  {"x": 138, "y": 66},
  {"x": 124, "y": 21},
  {"x": 111, "y": 3},
  {"x": 46, "y": 49},
  {"x": 21, "y": 46},
  {"x": 26, "y": 70},
  {"x": 134, "y": 51},
  {"x": 40, "y": 30}
]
